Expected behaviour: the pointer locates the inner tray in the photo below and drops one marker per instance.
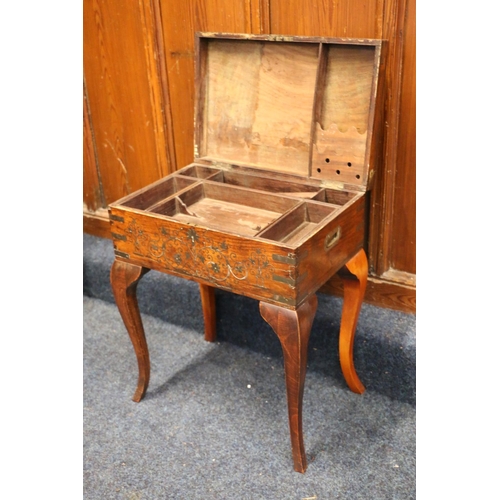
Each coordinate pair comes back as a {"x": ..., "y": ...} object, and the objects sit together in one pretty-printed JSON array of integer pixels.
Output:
[
  {"x": 276, "y": 183},
  {"x": 157, "y": 192},
  {"x": 226, "y": 208},
  {"x": 198, "y": 171},
  {"x": 299, "y": 224},
  {"x": 262, "y": 183}
]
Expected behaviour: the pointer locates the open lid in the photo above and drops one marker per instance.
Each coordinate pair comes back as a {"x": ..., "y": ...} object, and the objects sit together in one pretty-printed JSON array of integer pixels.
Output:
[{"x": 299, "y": 105}]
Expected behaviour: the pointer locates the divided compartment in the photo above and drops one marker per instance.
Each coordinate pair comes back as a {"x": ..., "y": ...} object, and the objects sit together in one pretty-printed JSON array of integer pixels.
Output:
[
  {"x": 198, "y": 171},
  {"x": 298, "y": 225},
  {"x": 147, "y": 198},
  {"x": 262, "y": 183},
  {"x": 226, "y": 208},
  {"x": 335, "y": 196}
]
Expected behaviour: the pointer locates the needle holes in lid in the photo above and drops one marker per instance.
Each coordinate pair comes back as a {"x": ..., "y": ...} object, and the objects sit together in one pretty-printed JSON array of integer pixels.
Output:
[{"x": 327, "y": 160}]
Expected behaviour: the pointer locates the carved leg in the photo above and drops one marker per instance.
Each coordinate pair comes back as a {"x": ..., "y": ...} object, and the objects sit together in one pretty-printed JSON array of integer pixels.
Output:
[
  {"x": 293, "y": 329},
  {"x": 208, "y": 306},
  {"x": 124, "y": 280},
  {"x": 354, "y": 276}
]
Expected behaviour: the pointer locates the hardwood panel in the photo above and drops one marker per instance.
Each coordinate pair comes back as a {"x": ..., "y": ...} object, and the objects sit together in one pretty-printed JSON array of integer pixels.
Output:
[
  {"x": 180, "y": 20},
  {"x": 384, "y": 192},
  {"x": 124, "y": 94},
  {"x": 349, "y": 18},
  {"x": 250, "y": 89},
  {"x": 403, "y": 227},
  {"x": 343, "y": 128},
  {"x": 91, "y": 186},
  {"x": 260, "y": 11}
]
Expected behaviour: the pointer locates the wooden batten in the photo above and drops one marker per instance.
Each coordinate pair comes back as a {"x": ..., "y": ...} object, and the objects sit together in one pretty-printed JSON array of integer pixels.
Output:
[{"x": 305, "y": 108}]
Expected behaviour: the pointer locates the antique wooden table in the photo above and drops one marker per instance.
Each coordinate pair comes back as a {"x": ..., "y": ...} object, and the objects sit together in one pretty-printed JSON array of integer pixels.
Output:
[{"x": 287, "y": 135}]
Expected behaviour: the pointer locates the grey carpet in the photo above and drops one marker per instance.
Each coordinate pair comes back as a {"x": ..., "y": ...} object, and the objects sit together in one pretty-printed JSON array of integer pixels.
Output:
[{"x": 214, "y": 422}]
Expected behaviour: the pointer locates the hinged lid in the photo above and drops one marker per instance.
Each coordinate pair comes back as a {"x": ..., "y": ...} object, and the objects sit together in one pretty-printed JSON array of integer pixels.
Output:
[{"x": 300, "y": 105}]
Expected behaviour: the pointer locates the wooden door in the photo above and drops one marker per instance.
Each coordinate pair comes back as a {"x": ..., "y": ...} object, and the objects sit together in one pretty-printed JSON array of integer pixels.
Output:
[{"x": 139, "y": 96}]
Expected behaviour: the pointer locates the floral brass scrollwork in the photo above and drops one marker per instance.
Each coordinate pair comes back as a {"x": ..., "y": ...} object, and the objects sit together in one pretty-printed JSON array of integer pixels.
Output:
[{"x": 191, "y": 251}]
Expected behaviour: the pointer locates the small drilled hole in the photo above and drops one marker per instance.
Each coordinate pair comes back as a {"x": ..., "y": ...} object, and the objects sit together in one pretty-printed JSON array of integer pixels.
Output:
[
  {"x": 319, "y": 170},
  {"x": 349, "y": 164},
  {"x": 327, "y": 160},
  {"x": 338, "y": 172},
  {"x": 357, "y": 177}
]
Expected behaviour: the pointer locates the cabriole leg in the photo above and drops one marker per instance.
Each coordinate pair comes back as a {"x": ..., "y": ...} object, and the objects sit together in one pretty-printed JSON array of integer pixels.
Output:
[
  {"x": 124, "y": 280},
  {"x": 293, "y": 329},
  {"x": 354, "y": 276}
]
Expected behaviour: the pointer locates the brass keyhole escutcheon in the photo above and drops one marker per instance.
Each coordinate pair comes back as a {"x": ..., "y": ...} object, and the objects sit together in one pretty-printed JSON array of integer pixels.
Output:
[{"x": 333, "y": 238}]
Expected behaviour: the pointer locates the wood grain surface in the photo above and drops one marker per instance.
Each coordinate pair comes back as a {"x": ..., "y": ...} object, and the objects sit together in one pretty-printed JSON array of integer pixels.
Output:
[
  {"x": 252, "y": 88},
  {"x": 393, "y": 197},
  {"x": 402, "y": 253},
  {"x": 124, "y": 95},
  {"x": 92, "y": 198},
  {"x": 342, "y": 18}
]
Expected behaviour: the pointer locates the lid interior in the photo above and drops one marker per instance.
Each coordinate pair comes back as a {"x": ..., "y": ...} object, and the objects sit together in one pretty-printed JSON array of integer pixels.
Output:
[{"x": 300, "y": 108}]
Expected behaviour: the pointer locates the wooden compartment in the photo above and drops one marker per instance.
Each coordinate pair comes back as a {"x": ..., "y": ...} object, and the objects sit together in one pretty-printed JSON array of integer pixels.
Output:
[
  {"x": 299, "y": 224},
  {"x": 262, "y": 183},
  {"x": 198, "y": 171},
  {"x": 225, "y": 207},
  {"x": 335, "y": 196},
  {"x": 155, "y": 193}
]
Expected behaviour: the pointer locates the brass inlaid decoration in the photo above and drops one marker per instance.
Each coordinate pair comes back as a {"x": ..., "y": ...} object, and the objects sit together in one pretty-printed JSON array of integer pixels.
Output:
[{"x": 192, "y": 251}]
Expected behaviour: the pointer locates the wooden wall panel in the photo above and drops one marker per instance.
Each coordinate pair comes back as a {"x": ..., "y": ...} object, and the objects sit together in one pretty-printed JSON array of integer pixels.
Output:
[
  {"x": 180, "y": 20},
  {"x": 393, "y": 197},
  {"x": 403, "y": 226},
  {"x": 349, "y": 18},
  {"x": 92, "y": 198},
  {"x": 124, "y": 94}
]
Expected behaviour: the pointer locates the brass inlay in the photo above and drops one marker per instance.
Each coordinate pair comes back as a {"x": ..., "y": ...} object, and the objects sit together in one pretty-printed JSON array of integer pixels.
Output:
[{"x": 121, "y": 237}]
